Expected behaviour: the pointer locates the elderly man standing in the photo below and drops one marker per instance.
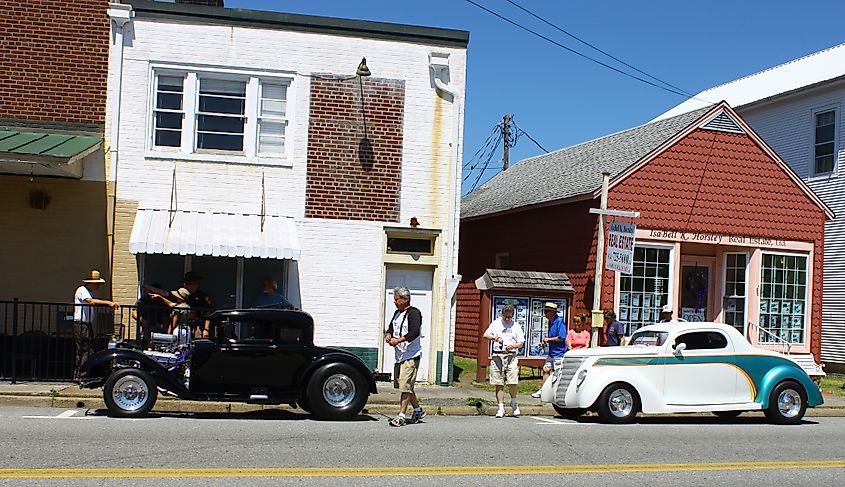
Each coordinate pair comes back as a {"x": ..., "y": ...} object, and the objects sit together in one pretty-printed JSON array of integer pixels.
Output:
[
  {"x": 403, "y": 334},
  {"x": 83, "y": 318},
  {"x": 507, "y": 337},
  {"x": 556, "y": 341}
]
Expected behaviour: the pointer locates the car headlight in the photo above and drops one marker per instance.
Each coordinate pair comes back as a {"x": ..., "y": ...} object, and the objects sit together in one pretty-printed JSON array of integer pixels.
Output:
[{"x": 581, "y": 376}]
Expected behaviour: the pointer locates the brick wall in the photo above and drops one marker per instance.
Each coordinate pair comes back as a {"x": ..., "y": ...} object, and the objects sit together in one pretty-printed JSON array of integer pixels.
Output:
[
  {"x": 355, "y": 149},
  {"x": 55, "y": 60}
]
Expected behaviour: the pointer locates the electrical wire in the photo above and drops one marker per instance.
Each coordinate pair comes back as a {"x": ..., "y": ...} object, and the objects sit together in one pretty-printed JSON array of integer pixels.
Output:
[
  {"x": 521, "y": 131},
  {"x": 611, "y": 56},
  {"x": 577, "y": 53}
]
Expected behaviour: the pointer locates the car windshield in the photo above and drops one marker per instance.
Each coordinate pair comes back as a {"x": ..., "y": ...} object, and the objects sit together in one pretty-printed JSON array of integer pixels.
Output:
[{"x": 644, "y": 338}]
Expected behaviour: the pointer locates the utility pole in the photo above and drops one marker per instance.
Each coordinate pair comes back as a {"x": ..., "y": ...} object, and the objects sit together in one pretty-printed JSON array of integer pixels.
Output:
[{"x": 505, "y": 138}]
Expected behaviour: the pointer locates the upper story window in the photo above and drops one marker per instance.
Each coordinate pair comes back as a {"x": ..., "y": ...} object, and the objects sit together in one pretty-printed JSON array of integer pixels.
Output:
[
  {"x": 230, "y": 115},
  {"x": 825, "y": 142}
]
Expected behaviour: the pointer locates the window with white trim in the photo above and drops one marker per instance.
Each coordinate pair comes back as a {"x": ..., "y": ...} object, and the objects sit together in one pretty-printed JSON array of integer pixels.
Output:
[
  {"x": 733, "y": 302},
  {"x": 643, "y": 293},
  {"x": 824, "y": 146},
  {"x": 205, "y": 112},
  {"x": 783, "y": 298}
]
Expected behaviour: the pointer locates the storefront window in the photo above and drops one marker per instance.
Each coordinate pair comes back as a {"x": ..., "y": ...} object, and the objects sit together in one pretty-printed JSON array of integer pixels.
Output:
[
  {"x": 646, "y": 290},
  {"x": 735, "y": 286},
  {"x": 529, "y": 316},
  {"x": 783, "y": 298}
]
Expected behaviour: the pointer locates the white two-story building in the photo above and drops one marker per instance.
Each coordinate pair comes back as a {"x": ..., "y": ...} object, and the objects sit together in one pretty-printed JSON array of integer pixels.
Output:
[
  {"x": 247, "y": 145},
  {"x": 797, "y": 107}
]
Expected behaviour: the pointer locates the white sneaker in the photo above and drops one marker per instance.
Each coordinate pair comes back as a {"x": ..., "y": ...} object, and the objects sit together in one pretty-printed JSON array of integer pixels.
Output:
[
  {"x": 501, "y": 412},
  {"x": 516, "y": 412},
  {"x": 536, "y": 394}
]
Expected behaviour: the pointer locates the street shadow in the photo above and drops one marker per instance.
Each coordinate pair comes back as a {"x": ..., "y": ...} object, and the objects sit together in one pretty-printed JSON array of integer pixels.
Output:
[
  {"x": 266, "y": 414},
  {"x": 680, "y": 420}
]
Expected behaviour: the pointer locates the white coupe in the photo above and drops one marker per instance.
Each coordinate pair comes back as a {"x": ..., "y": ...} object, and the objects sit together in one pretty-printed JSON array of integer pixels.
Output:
[{"x": 681, "y": 367}]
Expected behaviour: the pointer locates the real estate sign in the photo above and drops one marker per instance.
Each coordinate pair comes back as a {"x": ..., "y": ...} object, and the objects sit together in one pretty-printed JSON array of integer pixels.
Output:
[{"x": 620, "y": 247}]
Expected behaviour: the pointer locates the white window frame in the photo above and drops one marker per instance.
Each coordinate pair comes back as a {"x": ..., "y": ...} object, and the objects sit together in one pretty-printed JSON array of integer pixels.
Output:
[
  {"x": 190, "y": 103},
  {"x": 673, "y": 266},
  {"x": 808, "y": 304},
  {"x": 836, "y": 127},
  {"x": 747, "y": 286}
]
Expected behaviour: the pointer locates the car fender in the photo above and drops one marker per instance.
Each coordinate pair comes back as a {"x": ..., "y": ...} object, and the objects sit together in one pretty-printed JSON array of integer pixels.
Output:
[
  {"x": 337, "y": 356},
  {"x": 99, "y": 366},
  {"x": 780, "y": 373},
  {"x": 597, "y": 380}
]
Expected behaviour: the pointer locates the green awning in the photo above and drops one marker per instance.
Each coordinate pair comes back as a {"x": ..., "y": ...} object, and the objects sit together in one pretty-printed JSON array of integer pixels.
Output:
[{"x": 54, "y": 154}]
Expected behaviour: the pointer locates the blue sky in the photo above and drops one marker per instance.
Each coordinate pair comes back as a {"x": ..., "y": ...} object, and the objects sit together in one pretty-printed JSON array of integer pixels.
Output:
[{"x": 561, "y": 99}]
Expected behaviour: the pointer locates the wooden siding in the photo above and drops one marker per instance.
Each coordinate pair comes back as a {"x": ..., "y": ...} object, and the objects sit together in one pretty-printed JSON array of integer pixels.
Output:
[{"x": 787, "y": 126}]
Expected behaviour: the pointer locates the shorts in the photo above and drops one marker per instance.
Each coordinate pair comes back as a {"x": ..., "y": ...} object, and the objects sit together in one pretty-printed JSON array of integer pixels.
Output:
[
  {"x": 504, "y": 369},
  {"x": 552, "y": 363},
  {"x": 405, "y": 374}
]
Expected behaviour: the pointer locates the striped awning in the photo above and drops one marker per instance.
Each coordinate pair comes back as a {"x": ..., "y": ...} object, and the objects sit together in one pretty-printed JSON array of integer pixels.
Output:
[{"x": 215, "y": 234}]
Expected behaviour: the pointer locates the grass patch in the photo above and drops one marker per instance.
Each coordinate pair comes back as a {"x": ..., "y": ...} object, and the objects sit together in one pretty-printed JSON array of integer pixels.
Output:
[
  {"x": 529, "y": 379},
  {"x": 832, "y": 384}
]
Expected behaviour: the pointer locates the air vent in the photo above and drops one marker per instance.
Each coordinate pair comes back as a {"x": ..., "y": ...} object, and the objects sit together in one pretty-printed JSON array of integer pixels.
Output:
[{"x": 723, "y": 123}]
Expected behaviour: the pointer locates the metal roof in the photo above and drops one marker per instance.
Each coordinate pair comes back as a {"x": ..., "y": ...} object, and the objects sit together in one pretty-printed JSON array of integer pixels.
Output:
[
  {"x": 215, "y": 234},
  {"x": 44, "y": 153},
  {"x": 805, "y": 72},
  {"x": 571, "y": 172},
  {"x": 508, "y": 279}
]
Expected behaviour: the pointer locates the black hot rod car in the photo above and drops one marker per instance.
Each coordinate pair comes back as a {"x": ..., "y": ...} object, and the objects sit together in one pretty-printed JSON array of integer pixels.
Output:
[{"x": 263, "y": 356}]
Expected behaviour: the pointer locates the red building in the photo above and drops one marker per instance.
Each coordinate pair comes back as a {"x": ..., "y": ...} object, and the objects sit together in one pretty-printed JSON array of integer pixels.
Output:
[{"x": 727, "y": 232}]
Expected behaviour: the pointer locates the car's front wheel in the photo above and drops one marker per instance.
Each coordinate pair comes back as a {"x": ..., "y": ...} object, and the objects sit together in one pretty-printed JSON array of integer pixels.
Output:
[
  {"x": 337, "y": 391},
  {"x": 787, "y": 403},
  {"x": 130, "y": 393},
  {"x": 618, "y": 403}
]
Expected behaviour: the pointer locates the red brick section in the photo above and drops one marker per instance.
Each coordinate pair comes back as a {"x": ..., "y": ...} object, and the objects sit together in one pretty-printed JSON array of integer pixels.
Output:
[
  {"x": 718, "y": 182},
  {"x": 467, "y": 320},
  {"x": 54, "y": 60},
  {"x": 355, "y": 149}
]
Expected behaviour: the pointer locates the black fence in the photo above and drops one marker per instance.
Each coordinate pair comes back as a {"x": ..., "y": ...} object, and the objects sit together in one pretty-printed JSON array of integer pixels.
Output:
[{"x": 36, "y": 338}]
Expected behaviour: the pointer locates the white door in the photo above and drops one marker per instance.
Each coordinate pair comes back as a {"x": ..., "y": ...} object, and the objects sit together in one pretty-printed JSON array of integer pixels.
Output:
[
  {"x": 419, "y": 282},
  {"x": 704, "y": 373}
]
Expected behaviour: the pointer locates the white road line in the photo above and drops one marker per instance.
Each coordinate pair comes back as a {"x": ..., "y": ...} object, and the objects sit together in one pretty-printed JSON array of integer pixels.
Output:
[
  {"x": 556, "y": 421},
  {"x": 69, "y": 414}
]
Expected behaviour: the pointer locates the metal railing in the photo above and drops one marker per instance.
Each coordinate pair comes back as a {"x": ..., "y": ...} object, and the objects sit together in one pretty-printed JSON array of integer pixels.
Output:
[{"x": 772, "y": 341}]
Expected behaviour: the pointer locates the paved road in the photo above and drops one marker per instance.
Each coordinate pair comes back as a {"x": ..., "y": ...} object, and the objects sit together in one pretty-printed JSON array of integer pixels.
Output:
[{"x": 69, "y": 447}]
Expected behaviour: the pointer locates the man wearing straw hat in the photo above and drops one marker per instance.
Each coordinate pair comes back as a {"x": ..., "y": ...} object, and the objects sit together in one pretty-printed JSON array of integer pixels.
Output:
[{"x": 83, "y": 317}]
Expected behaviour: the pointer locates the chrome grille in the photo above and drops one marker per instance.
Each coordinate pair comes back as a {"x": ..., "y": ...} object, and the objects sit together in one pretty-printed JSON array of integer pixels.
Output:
[{"x": 565, "y": 374}]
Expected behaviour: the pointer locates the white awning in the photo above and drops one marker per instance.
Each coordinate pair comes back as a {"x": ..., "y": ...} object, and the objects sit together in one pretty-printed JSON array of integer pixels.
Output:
[{"x": 216, "y": 234}]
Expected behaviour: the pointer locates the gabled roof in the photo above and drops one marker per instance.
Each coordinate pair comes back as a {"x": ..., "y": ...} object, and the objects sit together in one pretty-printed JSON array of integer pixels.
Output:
[
  {"x": 573, "y": 172},
  {"x": 801, "y": 73}
]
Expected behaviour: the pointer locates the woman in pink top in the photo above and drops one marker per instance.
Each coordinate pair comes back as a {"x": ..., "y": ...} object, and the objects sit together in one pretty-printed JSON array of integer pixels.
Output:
[{"x": 579, "y": 334}]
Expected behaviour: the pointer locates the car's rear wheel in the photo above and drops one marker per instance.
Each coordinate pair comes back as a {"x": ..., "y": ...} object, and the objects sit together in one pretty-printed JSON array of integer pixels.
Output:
[
  {"x": 618, "y": 403},
  {"x": 569, "y": 413},
  {"x": 787, "y": 403},
  {"x": 727, "y": 414},
  {"x": 130, "y": 393},
  {"x": 336, "y": 392}
]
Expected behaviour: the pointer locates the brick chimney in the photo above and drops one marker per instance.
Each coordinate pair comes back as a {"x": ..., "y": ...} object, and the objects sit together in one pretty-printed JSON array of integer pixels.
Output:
[{"x": 210, "y": 3}]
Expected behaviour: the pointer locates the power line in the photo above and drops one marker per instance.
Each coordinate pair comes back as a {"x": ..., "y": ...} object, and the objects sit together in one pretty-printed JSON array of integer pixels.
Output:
[
  {"x": 582, "y": 41},
  {"x": 577, "y": 53},
  {"x": 523, "y": 132}
]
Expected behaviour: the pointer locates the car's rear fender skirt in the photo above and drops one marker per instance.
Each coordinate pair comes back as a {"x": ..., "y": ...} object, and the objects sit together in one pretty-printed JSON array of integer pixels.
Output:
[
  {"x": 330, "y": 357},
  {"x": 99, "y": 367},
  {"x": 780, "y": 373}
]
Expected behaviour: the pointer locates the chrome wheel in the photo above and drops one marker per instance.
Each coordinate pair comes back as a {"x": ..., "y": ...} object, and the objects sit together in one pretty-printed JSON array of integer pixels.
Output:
[
  {"x": 339, "y": 390},
  {"x": 620, "y": 403},
  {"x": 130, "y": 393},
  {"x": 789, "y": 403}
]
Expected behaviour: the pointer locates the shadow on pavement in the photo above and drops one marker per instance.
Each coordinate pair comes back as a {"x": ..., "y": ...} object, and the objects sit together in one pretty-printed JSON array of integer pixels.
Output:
[
  {"x": 268, "y": 414},
  {"x": 699, "y": 420}
]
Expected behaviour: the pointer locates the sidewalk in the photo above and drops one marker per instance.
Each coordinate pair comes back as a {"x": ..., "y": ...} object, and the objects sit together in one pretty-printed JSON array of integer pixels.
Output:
[{"x": 449, "y": 401}]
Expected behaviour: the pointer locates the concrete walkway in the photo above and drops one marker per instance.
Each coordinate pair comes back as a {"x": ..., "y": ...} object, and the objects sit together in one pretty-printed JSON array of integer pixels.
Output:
[{"x": 450, "y": 401}]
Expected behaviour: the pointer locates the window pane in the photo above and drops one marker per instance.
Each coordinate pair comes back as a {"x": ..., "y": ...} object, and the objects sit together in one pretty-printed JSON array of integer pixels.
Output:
[
  {"x": 274, "y": 92},
  {"x": 213, "y": 104},
  {"x": 646, "y": 290},
  {"x": 170, "y": 101},
  {"x": 272, "y": 128},
  {"x": 220, "y": 142},
  {"x": 170, "y": 83},
  {"x": 273, "y": 108},
  {"x": 826, "y": 118},
  {"x": 271, "y": 145},
  {"x": 168, "y": 138},
  {"x": 212, "y": 123},
  {"x": 824, "y": 164},
  {"x": 824, "y": 134},
  {"x": 222, "y": 87},
  {"x": 168, "y": 120}
]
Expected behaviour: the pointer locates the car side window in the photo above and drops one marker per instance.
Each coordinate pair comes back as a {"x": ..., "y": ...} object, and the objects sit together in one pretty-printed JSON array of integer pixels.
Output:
[
  {"x": 703, "y": 340},
  {"x": 288, "y": 333}
]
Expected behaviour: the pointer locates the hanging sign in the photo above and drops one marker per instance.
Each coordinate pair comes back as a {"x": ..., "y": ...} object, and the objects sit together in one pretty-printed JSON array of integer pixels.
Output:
[{"x": 620, "y": 247}]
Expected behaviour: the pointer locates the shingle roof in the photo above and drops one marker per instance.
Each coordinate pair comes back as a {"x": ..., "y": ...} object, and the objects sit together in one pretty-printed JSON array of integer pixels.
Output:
[
  {"x": 507, "y": 279},
  {"x": 573, "y": 171}
]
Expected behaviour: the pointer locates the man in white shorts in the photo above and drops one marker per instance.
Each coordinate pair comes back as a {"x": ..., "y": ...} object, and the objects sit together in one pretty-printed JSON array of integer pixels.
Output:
[{"x": 507, "y": 337}]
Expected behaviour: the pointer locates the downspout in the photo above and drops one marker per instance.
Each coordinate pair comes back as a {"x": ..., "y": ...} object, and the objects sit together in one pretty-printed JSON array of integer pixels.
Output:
[
  {"x": 119, "y": 14},
  {"x": 439, "y": 63}
]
